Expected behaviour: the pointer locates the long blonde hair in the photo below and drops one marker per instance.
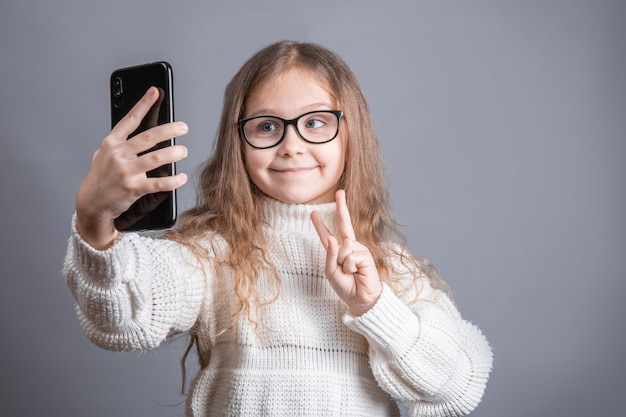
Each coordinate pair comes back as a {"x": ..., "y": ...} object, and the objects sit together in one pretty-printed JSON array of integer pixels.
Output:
[{"x": 228, "y": 203}]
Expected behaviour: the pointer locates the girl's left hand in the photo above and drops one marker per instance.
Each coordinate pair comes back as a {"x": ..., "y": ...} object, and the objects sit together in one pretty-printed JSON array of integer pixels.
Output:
[{"x": 350, "y": 267}]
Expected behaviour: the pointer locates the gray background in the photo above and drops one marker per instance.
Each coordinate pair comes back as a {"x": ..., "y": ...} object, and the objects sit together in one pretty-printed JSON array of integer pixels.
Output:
[{"x": 502, "y": 124}]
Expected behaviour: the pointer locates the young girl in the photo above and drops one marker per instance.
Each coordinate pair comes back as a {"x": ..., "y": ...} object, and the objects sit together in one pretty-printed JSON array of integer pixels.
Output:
[{"x": 288, "y": 274}]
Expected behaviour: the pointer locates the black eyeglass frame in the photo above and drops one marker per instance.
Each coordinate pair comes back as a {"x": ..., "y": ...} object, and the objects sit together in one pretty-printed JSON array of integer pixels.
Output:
[{"x": 241, "y": 123}]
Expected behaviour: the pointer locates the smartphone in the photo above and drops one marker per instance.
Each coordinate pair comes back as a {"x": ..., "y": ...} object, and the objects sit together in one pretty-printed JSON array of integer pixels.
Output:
[{"x": 127, "y": 85}]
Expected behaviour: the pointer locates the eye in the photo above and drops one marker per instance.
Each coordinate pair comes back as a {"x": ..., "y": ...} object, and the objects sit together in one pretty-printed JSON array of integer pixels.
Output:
[
  {"x": 314, "y": 123},
  {"x": 267, "y": 127}
]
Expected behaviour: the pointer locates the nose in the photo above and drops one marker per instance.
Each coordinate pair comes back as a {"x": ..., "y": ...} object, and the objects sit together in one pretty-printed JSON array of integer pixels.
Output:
[{"x": 292, "y": 143}]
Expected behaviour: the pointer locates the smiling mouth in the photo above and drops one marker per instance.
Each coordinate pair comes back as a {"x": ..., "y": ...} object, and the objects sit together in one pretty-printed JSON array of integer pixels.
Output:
[{"x": 294, "y": 170}]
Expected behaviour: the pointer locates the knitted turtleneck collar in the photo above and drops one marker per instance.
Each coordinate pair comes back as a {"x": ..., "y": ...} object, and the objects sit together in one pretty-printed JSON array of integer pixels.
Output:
[{"x": 295, "y": 217}]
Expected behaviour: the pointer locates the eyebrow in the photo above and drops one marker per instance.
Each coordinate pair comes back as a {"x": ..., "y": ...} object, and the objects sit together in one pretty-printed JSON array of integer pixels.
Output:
[{"x": 310, "y": 107}]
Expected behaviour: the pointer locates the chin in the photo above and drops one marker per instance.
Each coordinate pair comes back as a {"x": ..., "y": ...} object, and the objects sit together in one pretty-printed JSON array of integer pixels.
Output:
[
  {"x": 299, "y": 199},
  {"x": 300, "y": 195},
  {"x": 293, "y": 199}
]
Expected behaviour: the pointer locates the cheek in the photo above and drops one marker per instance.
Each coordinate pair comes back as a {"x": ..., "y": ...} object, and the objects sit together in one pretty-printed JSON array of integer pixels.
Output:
[
  {"x": 257, "y": 162},
  {"x": 336, "y": 158},
  {"x": 254, "y": 160},
  {"x": 253, "y": 172},
  {"x": 341, "y": 152}
]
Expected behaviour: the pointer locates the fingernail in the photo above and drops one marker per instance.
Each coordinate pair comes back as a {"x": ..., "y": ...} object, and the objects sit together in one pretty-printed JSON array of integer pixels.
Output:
[{"x": 183, "y": 127}]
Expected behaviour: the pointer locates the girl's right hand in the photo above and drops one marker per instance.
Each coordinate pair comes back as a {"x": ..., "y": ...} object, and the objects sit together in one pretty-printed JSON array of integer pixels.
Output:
[{"x": 117, "y": 176}]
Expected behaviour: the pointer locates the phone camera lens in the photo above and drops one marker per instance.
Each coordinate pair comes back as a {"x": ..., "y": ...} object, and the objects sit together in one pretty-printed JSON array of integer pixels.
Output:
[{"x": 117, "y": 87}]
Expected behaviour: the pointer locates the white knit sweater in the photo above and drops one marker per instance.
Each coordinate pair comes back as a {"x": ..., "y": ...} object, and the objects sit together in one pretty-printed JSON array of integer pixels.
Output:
[{"x": 308, "y": 356}]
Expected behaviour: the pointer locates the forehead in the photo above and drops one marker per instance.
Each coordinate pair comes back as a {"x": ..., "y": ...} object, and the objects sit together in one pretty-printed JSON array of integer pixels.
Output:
[{"x": 289, "y": 92}]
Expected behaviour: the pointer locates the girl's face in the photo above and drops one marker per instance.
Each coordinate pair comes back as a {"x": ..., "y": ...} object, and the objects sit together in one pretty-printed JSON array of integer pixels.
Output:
[{"x": 295, "y": 171}]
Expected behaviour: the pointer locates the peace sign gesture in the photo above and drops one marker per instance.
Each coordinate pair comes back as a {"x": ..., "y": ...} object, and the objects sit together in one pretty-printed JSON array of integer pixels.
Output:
[{"x": 350, "y": 267}]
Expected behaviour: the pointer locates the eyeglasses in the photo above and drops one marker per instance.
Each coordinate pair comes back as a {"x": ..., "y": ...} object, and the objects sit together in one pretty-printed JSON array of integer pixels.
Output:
[{"x": 264, "y": 132}]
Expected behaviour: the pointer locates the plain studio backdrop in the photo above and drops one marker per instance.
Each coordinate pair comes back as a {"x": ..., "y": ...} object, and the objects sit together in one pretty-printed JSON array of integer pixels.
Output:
[{"x": 503, "y": 128}]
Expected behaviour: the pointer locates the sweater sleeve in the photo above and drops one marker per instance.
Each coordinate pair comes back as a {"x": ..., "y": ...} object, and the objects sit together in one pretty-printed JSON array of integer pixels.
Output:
[
  {"x": 425, "y": 355},
  {"x": 134, "y": 294}
]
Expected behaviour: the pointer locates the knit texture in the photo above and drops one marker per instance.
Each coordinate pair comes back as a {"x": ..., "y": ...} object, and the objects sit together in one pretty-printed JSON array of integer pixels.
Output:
[{"x": 307, "y": 356}]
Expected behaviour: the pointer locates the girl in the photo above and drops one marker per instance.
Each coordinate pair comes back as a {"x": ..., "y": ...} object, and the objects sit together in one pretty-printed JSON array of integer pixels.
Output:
[{"x": 288, "y": 274}]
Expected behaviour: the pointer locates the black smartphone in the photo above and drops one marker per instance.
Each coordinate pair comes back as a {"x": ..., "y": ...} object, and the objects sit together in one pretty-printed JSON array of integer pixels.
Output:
[{"x": 127, "y": 85}]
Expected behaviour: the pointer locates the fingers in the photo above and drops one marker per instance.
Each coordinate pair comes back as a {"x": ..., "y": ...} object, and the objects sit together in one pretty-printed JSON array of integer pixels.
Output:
[
  {"x": 157, "y": 158},
  {"x": 140, "y": 113},
  {"x": 349, "y": 256},
  {"x": 148, "y": 139},
  {"x": 332, "y": 251},
  {"x": 151, "y": 119},
  {"x": 117, "y": 141},
  {"x": 346, "y": 253},
  {"x": 346, "y": 231},
  {"x": 133, "y": 119},
  {"x": 142, "y": 150},
  {"x": 320, "y": 227},
  {"x": 351, "y": 263},
  {"x": 168, "y": 183}
]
